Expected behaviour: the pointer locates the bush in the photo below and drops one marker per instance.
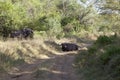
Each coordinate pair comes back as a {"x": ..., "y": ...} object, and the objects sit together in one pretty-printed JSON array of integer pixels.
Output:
[
  {"x": 92, "y": 49},
  {"x": 104, "y": 40},
  {"x": 66, "y": 20},
  {"x": 100, "y": 62},
  {"x": 110, "y": 52}
]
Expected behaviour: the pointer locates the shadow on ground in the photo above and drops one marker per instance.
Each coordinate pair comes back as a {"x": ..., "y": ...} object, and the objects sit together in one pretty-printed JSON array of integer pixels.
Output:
[{"x": 49, "y": 62}]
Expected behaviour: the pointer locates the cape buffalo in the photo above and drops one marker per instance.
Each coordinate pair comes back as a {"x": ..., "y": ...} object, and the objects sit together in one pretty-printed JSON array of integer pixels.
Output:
[
  {"x": 16, "y": 34},
  {"x": 22, "y": 33},
  {"x": 69, "y": 47},
  {"x": 27, "y": 32}
]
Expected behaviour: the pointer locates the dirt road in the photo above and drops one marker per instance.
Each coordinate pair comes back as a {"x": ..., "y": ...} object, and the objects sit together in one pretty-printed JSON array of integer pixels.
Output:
[{"x": 59, "y": 66}]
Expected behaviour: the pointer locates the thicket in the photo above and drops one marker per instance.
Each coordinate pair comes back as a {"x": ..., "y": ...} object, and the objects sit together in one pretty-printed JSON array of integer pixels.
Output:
[
  {"x": 102, "y": 60},
  {"x": 56, "y": 18}
]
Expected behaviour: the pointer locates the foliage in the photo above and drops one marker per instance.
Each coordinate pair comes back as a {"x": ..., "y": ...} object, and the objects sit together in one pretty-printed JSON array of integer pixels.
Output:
[
  {"x": 100, "y": 58},
  {"x": 110, "y": 52},
  {"x": 66, "y": 20},
  {"x": 5, "y": 19},
  {"x": 45, "y": 15},
  {"x": 92, "y": 49},
  {"x": 103, "y": 40},
  {"x": 49, "y": 16},
  {"x": 54, "y": 26},
  {"x": 110, "y": 19}
]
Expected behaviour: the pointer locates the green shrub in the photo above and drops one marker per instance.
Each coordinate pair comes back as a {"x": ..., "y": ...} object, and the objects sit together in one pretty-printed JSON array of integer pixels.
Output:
[
  {"x": 92, "y": 49},
  {"x": 66, "y": 20},
  {"x": 110, "y": 52},
  {"x": 104, "y": 40},
  {"x": 101, "y": 61}
]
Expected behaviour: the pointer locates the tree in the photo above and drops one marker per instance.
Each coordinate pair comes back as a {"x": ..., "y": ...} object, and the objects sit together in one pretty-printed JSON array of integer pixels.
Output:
[
  {"x": 5, "y": 18},
  {"x": 111, "y": 19}
]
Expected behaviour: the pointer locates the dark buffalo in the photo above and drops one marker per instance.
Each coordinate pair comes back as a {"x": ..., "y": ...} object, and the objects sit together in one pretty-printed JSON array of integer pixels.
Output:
[
  {"x": 16, "y": 34},
  {"x": 23, "y": 33},
  {"x": 27, "y": 33},
  {"x": 69, "y": 47}
]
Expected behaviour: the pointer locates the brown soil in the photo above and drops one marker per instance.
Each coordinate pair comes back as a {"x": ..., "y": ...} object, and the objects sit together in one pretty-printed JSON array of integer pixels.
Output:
[{"x": 57, "y": 67}]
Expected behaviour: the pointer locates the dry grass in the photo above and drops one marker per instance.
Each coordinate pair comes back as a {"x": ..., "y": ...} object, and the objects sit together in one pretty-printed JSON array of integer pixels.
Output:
[
  {"x": 24, "y": 57},
  {"x": 25, "y": 49},
  {"x": 29, "y": 50},
  {"x": 27, "y": 55}
]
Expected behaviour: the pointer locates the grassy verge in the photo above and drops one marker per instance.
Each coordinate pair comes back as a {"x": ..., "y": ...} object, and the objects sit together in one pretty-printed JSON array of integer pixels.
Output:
[
  {"x": 7, "y": 62},
  {"x": 102, "y": 60}
]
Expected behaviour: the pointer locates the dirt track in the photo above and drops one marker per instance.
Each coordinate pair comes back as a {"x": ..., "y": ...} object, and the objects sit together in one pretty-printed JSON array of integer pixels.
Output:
[{"x": 59, "y": 66}]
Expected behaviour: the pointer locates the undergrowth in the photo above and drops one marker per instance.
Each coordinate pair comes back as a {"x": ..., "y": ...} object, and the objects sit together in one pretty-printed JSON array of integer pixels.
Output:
[{"x": 102, "y": 60}]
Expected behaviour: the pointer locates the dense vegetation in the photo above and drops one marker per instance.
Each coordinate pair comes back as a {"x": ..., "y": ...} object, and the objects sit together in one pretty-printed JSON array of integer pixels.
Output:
[
  {"x": 42, "y": 15},
  {"x": 56, "y": 18},
  {"x": 102, "y": 60}
]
